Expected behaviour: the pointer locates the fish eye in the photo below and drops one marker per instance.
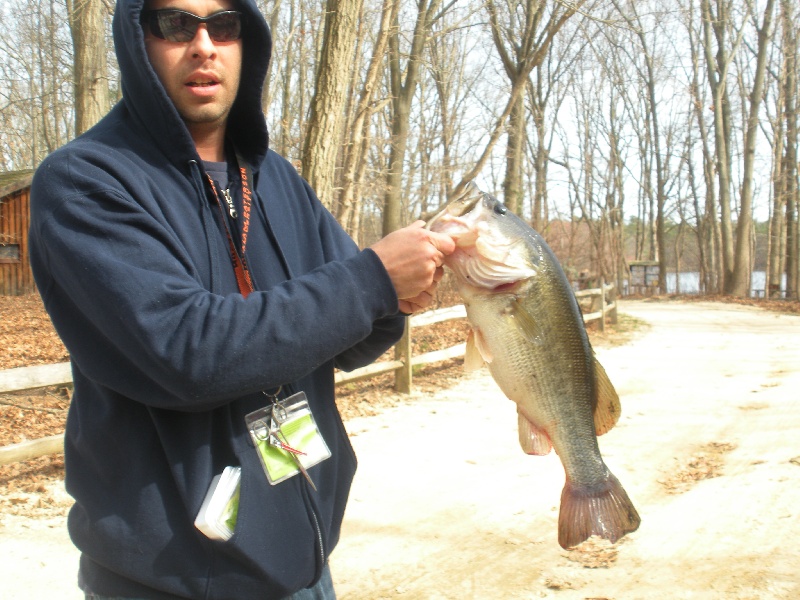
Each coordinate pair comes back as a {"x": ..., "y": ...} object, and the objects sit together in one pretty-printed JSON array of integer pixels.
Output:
[{"x": 500, "y": 209}]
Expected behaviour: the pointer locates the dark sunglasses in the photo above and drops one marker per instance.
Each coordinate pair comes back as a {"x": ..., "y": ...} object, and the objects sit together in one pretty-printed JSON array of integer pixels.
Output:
[{"x": 176, "y": 25}]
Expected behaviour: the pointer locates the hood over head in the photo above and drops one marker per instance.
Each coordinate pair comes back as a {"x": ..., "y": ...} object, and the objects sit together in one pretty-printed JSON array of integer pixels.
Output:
[{"x": 147, "y": 100}]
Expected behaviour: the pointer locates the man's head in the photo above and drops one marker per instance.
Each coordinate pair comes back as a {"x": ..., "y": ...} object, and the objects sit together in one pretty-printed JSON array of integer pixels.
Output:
[{"x": 198, "y": 62}]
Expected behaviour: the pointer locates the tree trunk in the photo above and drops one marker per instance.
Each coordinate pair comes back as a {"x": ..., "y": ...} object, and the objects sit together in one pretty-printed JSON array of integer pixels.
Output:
[
  {"x": 717, "y": 69},
  {"x": 541, "y": 154},
  {"x": 740, "y": 283},
  {"x": 512, "y": 184},
  {"x": 272, "y": 15},
  {"x": 402, "y": 96},
  {"x": 354, "y": 158},
  {"x": 321, "y": 144},
  {"x": 652, "y": 111},
  {"x": 790, "y": 245},
  {"x": 708, "y": 224},
  {"x": 515, "y": 38},
  {"x": 283, "y": 139},
  {"x": 87, "y": 25}
]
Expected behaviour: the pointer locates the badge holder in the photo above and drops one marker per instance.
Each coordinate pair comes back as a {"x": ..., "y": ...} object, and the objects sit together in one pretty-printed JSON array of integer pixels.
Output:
[{"x": 287, "y": 438}]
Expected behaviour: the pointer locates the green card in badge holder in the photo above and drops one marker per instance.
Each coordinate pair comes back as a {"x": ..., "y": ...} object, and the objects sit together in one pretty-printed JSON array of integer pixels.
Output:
[{"x": 287, "y": 438}]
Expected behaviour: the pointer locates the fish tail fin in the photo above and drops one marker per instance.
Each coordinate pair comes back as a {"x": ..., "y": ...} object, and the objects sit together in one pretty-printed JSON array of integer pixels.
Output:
[{"x": 604, "y": 511}]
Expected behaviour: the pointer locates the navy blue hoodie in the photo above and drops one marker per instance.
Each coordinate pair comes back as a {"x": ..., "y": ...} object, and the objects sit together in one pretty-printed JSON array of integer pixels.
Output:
[{"x": 167, "y": 356}]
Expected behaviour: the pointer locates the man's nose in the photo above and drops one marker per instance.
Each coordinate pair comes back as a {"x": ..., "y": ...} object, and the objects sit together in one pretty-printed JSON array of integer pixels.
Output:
[{"x": 202, "y": 45}]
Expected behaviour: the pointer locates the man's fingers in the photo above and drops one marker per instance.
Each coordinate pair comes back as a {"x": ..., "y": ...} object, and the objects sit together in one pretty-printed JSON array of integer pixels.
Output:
[{"x": 443, "y": 243}]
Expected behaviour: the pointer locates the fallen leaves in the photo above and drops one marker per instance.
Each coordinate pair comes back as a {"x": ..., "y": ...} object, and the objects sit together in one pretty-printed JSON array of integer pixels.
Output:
[
  {"x": 595, "y": 553},
  {"x": 27, "y": 336},
  {"x": 706, "y": 463}
]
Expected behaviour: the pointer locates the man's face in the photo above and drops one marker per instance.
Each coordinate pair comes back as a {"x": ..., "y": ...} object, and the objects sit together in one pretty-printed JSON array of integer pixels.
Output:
[{"x": 201, "y": 76}]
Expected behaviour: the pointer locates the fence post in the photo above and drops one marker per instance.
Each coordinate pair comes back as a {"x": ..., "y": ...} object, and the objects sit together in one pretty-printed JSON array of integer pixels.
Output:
[
  {"x": 402, "y": 352},
  {"x": 602, "y": 303},
  {"x": 613, "y": 299}
]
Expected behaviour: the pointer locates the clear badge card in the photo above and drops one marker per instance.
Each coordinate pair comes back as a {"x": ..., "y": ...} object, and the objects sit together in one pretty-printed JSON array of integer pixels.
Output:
[
  {"x": 287, "y": 439},
  {"x": 217, "y": 516}
]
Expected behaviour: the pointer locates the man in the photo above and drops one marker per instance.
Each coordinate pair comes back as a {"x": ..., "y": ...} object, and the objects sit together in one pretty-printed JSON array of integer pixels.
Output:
[{"x": 195, "y": 278}]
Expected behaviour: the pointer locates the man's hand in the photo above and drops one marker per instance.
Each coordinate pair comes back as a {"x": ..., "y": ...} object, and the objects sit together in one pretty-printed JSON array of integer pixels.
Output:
[{"x": 413, "y": 257}]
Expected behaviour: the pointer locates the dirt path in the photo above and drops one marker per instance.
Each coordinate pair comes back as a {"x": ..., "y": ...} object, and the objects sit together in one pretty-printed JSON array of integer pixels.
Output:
[{"x": 446, "y": 506}]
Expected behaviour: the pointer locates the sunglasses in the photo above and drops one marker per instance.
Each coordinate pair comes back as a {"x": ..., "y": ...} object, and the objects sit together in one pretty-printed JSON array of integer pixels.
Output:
[{"x": 176, "y": 25}]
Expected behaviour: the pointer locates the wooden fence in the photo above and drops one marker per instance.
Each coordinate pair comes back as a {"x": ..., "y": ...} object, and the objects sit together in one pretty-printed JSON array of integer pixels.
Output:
[{"x": 600, "y": 302}]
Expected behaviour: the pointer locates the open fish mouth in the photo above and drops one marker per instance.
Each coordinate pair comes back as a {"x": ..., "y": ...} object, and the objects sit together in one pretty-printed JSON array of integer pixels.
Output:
[
  {"x": 459, "y": 206},
  {"x": 485, "y": 256}
]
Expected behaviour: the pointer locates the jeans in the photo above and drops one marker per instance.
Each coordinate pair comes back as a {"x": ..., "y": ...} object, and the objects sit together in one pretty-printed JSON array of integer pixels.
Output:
[{"x": 322, "y": 591}]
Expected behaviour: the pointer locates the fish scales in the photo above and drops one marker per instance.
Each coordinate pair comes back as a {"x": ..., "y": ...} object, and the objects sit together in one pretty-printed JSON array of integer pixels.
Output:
[{"x": 528, "y": 328}]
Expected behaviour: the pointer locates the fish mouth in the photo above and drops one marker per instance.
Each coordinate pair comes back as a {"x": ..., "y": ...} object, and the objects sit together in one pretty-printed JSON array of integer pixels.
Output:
[{"x": 458, "y": 206}]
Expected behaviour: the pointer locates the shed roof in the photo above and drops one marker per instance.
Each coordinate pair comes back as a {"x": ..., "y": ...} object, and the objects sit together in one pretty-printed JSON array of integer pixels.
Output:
[{"x": 13, "y": 181}]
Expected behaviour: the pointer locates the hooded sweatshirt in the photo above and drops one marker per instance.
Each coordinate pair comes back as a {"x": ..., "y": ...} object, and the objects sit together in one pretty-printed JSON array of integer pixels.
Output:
[{"x": 134, "y": 267}]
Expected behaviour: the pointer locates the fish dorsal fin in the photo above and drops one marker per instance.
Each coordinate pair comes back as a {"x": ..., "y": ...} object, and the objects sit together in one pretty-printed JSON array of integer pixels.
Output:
[
  {"x": 532, "y": 439},
  {"x": 477, "y": 352},
  {"x": 607, "y": 408},
  {"x": 525, "y": 323}
]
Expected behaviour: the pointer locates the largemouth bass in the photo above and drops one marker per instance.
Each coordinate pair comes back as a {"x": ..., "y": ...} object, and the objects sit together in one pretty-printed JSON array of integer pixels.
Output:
[{"x": 526, "y": 325}]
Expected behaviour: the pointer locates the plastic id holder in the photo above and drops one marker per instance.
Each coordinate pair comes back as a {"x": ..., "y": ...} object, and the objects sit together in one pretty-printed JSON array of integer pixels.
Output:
[
  {"x": 217, "y": 516},
  {"x": 287, "y": 439}
]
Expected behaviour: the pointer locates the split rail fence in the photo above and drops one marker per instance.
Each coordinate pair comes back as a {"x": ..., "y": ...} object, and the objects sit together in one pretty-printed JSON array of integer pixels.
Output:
[{"x": 602, "y": 306}]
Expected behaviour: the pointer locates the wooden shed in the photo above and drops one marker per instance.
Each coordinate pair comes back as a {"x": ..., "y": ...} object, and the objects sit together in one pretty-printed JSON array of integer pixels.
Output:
[{"x": 15, "y": 267}]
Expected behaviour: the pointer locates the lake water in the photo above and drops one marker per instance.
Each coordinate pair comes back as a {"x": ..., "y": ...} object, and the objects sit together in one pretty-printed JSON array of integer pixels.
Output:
[{"x": 690, "y": 283}]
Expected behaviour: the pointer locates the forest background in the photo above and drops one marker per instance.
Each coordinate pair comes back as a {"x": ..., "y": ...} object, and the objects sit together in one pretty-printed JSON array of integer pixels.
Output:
[{"x": 622, "y": 130}]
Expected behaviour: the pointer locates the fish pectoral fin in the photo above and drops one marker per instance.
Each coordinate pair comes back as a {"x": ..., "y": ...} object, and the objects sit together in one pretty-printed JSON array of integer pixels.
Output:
[
  {"x": 607, "y": 408},
  {"x": 533, "y": 439},
  {"x": 525, "y": 323},
  {"x": 477, "y": 352}
]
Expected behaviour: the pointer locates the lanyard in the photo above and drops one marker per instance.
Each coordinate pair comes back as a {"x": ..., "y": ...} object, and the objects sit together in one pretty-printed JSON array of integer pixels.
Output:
[{"x": 243, "y": 279}]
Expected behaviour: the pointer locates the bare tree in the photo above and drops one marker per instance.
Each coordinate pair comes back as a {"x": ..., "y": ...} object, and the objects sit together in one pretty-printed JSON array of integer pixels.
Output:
[
  {"x": 631, "y": 16},
  {"x": 273, "y": 18},
  {"x": 786, "y": 239},
  {"x": 355, "y": 157},
  {"x": 708, "y": 226},
  {"x": 323, "y": 133},
  {"x": 558, "y": 16},
  {"x": 404, "y": 78},
  {"x": 87, "y": 22},
  {"x": 740, "y": 281},
  {"x": 399, "y": 119},
  {"x": 515, "y": 40},
  {"x": 296, "y": 41},
  {"x": 718, "y": 56},
  {"x": 36, "y": 97}
]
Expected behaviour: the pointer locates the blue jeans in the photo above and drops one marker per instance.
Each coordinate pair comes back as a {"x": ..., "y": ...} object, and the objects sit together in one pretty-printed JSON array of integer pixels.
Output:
[{"x": 322, "y": 591}]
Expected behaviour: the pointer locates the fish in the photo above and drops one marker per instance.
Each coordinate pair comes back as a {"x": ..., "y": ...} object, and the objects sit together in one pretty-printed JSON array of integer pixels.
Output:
[{"x": 526, "y": 325}]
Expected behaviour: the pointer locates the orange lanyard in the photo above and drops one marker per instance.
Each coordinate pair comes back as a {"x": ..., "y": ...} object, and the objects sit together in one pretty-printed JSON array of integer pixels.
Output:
[{"x": 243, "y": 279}]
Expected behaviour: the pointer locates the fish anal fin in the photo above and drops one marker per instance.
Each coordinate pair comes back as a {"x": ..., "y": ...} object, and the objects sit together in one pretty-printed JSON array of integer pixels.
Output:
[
  {"x": 607, "y": 408},
  {"x": 477, "y": 352},
  {"x": 605, "y": 511},
  {"x": 533, "y": 439}
]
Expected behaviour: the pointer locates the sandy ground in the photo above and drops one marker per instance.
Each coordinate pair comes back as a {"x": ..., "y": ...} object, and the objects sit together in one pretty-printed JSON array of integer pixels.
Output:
[{"x": 445, "y": 504}]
